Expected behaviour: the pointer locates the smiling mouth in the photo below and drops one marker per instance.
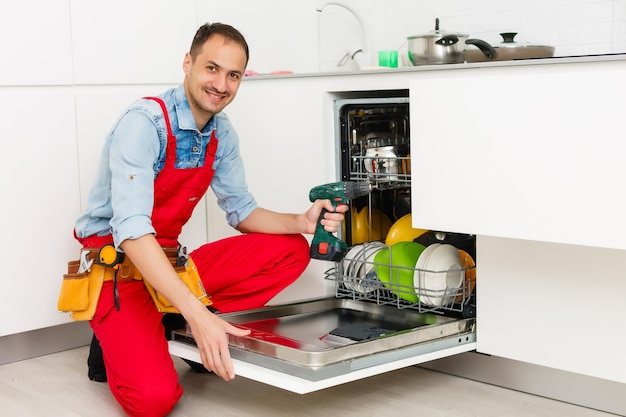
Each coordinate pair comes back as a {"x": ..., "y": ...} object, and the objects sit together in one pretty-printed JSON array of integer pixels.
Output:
[{"x": 215, "y": 96}]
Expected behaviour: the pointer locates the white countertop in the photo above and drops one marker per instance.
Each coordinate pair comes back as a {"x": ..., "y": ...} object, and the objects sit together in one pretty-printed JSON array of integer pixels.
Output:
[{"x": 465, "y": 65}]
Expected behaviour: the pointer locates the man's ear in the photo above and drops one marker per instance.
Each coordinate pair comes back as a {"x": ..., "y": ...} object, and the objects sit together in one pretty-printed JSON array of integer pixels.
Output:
[{"x": 187, "y": 63}]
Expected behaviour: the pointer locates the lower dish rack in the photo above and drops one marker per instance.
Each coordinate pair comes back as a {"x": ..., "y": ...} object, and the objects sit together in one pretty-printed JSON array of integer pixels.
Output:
[{"x": 368, "y": 272}]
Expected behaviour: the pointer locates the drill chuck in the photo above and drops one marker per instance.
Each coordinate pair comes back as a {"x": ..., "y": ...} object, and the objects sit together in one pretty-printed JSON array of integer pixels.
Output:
[{"x": 354, "y": 189}]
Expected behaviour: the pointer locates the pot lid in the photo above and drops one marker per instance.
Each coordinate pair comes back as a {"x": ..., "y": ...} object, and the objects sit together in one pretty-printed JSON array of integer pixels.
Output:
[
  {"x": 437, "y": 33},
  {"x": 508, "y": 41}
]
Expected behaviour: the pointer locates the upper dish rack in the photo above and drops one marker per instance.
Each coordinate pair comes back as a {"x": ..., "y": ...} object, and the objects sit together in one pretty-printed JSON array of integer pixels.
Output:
[{"x": 384, "y": 162}]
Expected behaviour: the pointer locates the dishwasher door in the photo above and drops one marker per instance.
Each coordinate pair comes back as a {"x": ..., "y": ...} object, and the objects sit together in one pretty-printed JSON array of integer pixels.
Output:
[{"x": 308, "y": 346}]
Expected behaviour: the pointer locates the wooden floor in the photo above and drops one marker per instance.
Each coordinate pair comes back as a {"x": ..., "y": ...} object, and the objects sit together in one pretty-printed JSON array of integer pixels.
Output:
[{"x": 56, "y": 385}]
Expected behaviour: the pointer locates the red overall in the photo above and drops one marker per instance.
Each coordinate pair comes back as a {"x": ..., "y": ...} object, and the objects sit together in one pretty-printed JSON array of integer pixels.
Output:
[{"x": 240, "y": 272}]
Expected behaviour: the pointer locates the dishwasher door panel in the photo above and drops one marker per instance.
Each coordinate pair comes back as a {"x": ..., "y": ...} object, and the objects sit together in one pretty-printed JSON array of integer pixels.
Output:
[{"x": 308, "y": 346}]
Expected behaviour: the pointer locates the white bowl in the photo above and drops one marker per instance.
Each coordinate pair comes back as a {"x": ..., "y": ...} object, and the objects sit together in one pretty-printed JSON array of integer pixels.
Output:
[{"x": 440, "y": 276}]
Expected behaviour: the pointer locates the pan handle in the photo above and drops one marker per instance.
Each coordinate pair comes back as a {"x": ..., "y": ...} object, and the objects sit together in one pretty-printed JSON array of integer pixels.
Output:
[{"x": 489, "y": 51}]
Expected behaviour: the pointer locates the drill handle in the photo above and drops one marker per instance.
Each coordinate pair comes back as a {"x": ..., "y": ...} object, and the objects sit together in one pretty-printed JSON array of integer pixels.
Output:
[{"x": 325, "y": 245}]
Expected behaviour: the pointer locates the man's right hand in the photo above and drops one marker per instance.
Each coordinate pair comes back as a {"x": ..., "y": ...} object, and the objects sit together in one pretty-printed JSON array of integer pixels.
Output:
[
  {"x": 211, "y": 335},
  {"x": 209, "y": 330}
]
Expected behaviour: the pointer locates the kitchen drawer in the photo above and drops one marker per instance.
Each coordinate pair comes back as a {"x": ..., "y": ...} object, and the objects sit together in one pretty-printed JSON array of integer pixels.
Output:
[
  {"x": 308, "y": 346},
  {"x": 530, "y": 152}
]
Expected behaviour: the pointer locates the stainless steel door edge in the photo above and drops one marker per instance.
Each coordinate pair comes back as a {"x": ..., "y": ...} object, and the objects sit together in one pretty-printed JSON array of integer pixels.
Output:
[
  {"x": 293, "y": 336},
  {"x": 299, "y": 385},
  {"x": 344, "y": 367}
]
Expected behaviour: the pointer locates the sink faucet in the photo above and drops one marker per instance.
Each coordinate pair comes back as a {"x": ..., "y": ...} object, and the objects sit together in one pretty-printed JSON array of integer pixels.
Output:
[
  {"x": 367, "y": 50},
  {"x": 348, "y": 57}
]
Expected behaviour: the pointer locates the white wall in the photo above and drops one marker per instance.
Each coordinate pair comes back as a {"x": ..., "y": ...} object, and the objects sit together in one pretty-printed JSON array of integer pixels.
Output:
[
  {"x": 67, "y": 70},
  {"x": 575, "y": 27},
  {"x": 281, "y": 34},
  {"x": 68, "y": 67}
]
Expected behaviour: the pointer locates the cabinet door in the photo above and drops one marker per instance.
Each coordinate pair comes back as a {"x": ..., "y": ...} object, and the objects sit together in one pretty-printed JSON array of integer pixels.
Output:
[
  {"x": 523, "y": 151},
  {"x": 40, "y": 202},
  {"x": 552, "y": 305}
]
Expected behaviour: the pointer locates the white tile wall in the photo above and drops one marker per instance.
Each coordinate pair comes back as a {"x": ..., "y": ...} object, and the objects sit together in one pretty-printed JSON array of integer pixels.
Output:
[
  {"x": 131, "y": 42},
  {"x": 281, "y": 34},
  {"x": 575, "y": 27},
  {"x": 35, "y": 46}
]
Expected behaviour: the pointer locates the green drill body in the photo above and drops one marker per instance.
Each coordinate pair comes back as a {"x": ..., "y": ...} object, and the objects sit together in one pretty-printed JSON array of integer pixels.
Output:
[{"x": 325, "y": 245}]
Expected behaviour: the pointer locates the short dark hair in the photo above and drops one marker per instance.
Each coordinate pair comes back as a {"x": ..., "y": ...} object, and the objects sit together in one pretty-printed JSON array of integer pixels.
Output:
[{"x": 207, "y": 30}]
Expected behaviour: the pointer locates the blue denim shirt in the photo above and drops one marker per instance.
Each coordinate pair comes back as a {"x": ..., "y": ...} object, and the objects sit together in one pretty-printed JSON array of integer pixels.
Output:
[{"x": 121, "y": 199}]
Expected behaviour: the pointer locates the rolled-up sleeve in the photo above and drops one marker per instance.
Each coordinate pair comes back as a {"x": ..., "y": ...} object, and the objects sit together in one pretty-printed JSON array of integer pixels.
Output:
[{"x": 134, "y": 151}]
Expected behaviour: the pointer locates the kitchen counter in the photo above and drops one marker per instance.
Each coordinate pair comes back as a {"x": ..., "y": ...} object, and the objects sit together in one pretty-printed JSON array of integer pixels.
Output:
[{"x": 465, "y": 65}]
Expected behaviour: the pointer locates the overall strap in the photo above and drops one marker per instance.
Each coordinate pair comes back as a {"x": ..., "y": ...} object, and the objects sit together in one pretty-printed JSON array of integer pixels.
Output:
[{"x": 170, "y": 155}]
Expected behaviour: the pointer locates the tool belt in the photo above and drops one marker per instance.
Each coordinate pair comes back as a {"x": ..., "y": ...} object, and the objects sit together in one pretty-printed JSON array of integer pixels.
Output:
[{"x": 82, "y": 285}]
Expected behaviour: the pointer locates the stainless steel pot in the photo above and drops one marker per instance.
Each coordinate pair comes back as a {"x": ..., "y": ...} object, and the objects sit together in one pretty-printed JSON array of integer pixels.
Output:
[
  {"x": 505, "y": 51},
  {"x": 437, "y": 47}
]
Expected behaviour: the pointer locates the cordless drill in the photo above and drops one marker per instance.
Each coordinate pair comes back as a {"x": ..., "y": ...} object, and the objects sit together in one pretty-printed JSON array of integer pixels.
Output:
[{"x": 325, "y": 245}]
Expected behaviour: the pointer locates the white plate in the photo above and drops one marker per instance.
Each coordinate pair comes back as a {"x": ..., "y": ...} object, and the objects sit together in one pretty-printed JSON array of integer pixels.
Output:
[
  {"x": 348, "y": 259},
  {"x": 419, "y": 266},
  {"x": 353, "y": 261},
  {"x": 442, "y": 276},
  {"x": 363, "y": 270},
  {"x": 360, "y": 262}
]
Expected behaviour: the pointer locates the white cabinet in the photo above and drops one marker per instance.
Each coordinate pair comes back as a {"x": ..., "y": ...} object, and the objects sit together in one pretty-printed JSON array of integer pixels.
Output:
[
  {"x": 40, "y": 201},
  {"x": 527, "y": 152},
  {"x": 529, "y": 159},
  {"x": 553, "y": 305}
]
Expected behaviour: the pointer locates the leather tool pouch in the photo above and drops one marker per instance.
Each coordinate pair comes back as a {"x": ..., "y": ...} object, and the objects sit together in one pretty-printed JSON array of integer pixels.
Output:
[
  {"x": 80, "y": 291},
  {"x": 189, "y": 275}
]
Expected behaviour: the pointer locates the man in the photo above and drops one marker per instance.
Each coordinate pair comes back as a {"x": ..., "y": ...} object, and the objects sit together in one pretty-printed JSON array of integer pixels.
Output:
[{"x": 144, "y": 193}]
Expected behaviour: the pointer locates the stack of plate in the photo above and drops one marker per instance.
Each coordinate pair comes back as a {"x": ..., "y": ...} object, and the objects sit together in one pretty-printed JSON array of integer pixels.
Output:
[
  {"x": 358, "y": 267},
  {"x": 432, "y": 275},
  {"x": 439, "y": 275}
]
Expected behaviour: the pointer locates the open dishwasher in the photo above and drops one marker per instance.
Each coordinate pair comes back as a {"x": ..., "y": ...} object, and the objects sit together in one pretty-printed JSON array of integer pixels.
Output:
[{"x": 380, "y": 318}]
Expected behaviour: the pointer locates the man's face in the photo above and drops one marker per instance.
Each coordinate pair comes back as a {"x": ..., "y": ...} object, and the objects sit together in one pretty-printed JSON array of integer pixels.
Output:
[{"x": 213, "y": 78}]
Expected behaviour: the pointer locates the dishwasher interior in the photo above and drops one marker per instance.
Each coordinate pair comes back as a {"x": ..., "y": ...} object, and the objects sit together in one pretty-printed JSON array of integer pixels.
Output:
[
  {"x": 385, "y": 309},
  {"x": 440, "y": 275}
]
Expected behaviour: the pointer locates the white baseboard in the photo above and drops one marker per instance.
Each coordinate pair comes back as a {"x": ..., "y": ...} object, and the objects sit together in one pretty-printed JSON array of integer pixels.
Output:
[
  {"x": 26, "y": 345},
  {"x": 582, "y": 390}
]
